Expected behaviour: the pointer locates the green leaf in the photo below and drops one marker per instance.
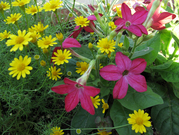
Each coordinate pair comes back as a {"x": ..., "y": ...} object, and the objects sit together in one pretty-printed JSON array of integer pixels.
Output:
[
  {"x": 84, "y": 51},
  {"x": 175, "y": 38},
  {"x": 176, "y": 89},
  {"x": 142, "y": 52},
  {"x": 83, "y": 119},
  {"x": 71, "y": 66},
  {"x": 140, "y": 100},
  {"x": 171, "y": 74},
  {"x": 119, "y": 115},
  {"x": 165, "y": 117},
  {"x": 153, "y": 43},
  {"x": 163, "y": 66},
  {"x": 104, "y": 91},
  {"x": 165, "y": 36}
]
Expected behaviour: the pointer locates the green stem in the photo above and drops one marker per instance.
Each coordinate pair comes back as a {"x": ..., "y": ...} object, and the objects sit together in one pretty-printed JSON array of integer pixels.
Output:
[
  {"x": 58, "y": 21},
  {"x": 37, "y": 9},
  {"x": 106, "y": 128},
  {"x": 133, "y": 50}
]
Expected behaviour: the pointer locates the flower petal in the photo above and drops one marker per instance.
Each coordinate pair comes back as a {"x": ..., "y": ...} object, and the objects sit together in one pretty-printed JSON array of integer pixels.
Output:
[
  {"x": 143, "y": 29},
  {"x": 62, "y": 89},
  {"x": 137, "y": 82},
  {"x": 120, "y": 88},
  {"x": 71, "y": 100},
  {"x": 138, "y": 66},
  {"x": 70, "y": 42},
  {"x": 86, "y": 103},
  {"x": 91, "y": 91},
  {"x": 110, "y": 73},
  {"x": 123, "y": 62},
  {"x": 75, "y": 33},
  {"x": 164, "y": 18},
  {"x": 68, "y": 81},
  {"x": 134, "y": 29},
  {"x": 126, "y": 12},
  {"x": 139, "y": 17}
]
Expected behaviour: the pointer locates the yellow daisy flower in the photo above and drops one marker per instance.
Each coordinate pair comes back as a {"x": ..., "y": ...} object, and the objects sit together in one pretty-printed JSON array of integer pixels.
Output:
[
  {"x": 112, "y": 25},
  {"x": 13, "y": 18},
  {"x": 46, "y": 42},
  {"x": 95, "y": 101},
  {"x": 4, "y": 6},
  {"x": 20, "y": 3},
  {"x": 118, "y": 12},
  {"x": 61, "y": 57},
  {"x": 52, "y": 5},
  {"x": 18, "y": 41},
  {"x": 45, "y": 50},
  {"x": 81, "y": 21},
  {"x": 106, "y": 45},
  {"x": 54, "y": 73},
  {"x": 39, "y": 27},
  {"x": 34, "y": 35},
  {"x": 56, "y": 131},
  {"x": 82, "y": 68},
  {"x": 4, "y": 35},
  {"x": 42, "y": 63},
  {"x": 139, "y": 120},
  {"x": 33, "y": 10},
  {"x": 104, "y": 132},
  {"x": 105, "y": 106},
  {"x": 19, "y": 67},
  {"x": 59, "y": 36}
]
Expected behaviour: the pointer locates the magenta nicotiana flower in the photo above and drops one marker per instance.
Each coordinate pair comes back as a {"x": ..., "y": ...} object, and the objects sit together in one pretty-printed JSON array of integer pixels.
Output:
[
  {"x": 132, "y": 23},
  {"x": 157, "y": 20},
  {"x": 126, "y": 72},
  {"x": 78, "y": 92}
]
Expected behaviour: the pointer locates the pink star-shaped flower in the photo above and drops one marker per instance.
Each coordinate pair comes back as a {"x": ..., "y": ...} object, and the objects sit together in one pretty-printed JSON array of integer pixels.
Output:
[
  {"x": 77, "y": 93},
  {"x": 126, "y": 72},
  {"x": 132, "y": 23}
]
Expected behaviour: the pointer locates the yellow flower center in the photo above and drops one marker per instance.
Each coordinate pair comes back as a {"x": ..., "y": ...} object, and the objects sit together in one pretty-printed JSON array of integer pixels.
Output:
[
  {"x": 61, "y": 57},
  {"x": 105, "y": 106},
  {"x": 83, "y": 68},
  {"x": 53, "y": 6},
  {"x": 21, "y": 3},
  {"x": 21, "y": 67},
  {"x": 19, "y": 40},
  {"x": 106, "y": 46},
  {"x": 47, "y": 42},
  {"x": 33, "y": 10},
  {"x": 139, "y": 121},
  {"x": 57, "y": 133},
  {"x": 54, "y": 73},
  {"x": 13, "y": 19}
]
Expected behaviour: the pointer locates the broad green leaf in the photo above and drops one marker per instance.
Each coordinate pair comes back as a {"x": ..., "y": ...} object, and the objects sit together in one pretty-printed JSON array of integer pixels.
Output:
[
  {"x": 104, "y": 91},
  {"x": 83, "y": 119},
  {"x": 71, "y": 67},
  {"x": 142, "y": 52},
  {"x": 176, "y": 89},
  {"x": 160, "y": 89},
  {"x": 153, "y": 43},
  {"x": 140, "y": 100},
  {"x": 171, "y": 74},
  {"x": 165, "y": 117},
  {"x": 163, "y": 66},
  {"x": 119, "y": 115},
  {"x": 84, "y": 51},
  {"x": 165, "y": 36},
  {"x": 160, "y": 59}
]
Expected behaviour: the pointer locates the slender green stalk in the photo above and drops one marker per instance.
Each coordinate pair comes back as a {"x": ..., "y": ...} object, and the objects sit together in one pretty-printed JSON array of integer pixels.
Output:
[{"x": 59, "y": 21}]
